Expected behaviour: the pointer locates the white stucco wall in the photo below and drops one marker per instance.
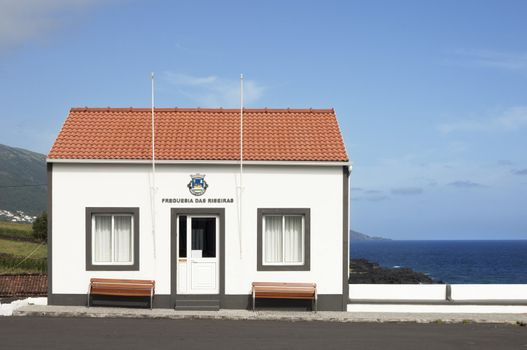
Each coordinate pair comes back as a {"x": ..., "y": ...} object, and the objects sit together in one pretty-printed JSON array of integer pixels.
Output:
[
  {"x": 77, "y": 186},
  {"x": 426, "y": 292}
]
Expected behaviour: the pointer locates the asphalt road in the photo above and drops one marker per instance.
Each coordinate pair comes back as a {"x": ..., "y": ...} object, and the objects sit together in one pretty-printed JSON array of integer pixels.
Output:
[{"x": 107, "y": 333}]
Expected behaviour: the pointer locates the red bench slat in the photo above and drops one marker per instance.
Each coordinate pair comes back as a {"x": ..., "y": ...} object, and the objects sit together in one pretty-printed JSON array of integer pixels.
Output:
[
  {"x": 284, "y": 290},
  {"x": 121, "y": 287}
]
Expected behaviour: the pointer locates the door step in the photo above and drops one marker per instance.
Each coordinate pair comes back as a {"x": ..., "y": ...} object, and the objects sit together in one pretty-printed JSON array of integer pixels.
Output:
[{"x": 198, "y": 305}]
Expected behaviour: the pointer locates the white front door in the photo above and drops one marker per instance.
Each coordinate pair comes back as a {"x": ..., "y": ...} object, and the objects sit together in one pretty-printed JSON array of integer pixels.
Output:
[{"x": 198, "y": 260}]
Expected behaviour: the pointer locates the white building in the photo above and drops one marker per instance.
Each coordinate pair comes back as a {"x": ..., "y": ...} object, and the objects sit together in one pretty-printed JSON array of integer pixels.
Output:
[{"x": 196, "y": 235}]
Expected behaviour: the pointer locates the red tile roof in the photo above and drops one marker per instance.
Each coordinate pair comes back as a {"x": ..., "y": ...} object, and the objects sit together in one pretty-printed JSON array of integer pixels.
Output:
[
  {"x": 200, "y": 134},
  {"x": 22, "y": 285}
]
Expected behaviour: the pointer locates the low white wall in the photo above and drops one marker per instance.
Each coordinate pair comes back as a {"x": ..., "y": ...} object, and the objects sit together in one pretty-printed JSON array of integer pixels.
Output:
[
  {"x": 397, "y": 291},
  {"x": 459, "y": 292},
  {"x": 489, "y": 292},
  {"x": 7, "y": 309},
  {"x": 439, "y": 309}
]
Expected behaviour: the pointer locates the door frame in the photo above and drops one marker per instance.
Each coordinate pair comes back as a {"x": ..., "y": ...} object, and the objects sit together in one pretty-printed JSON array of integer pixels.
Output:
[{"x": 174, "y": 213}]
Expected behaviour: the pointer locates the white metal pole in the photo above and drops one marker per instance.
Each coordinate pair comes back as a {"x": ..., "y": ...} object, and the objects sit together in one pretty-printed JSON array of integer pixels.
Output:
[
  {"x": 153, "y": 189},
  {"x": 241, "y": 167},
  {"x": 350, "y": 169}
]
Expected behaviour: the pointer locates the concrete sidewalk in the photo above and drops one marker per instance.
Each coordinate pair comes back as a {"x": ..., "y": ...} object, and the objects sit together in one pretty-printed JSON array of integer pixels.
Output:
[{"x": 325, "y": 316}]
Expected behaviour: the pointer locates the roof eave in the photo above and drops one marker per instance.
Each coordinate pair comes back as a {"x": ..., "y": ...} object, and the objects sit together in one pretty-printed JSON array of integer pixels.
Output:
[{"x": 211, "y": 162}]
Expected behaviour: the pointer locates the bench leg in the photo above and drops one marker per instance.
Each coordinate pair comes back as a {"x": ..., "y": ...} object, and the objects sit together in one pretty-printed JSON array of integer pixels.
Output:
[
  {"x": 254, "y": 301},
  {"x": 151, "y": 299},
  {"x": 89, "y": 292}
]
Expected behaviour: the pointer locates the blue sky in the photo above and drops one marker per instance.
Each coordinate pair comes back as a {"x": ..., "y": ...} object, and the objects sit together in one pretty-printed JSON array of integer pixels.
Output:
[{"x": 431, "y": 95}]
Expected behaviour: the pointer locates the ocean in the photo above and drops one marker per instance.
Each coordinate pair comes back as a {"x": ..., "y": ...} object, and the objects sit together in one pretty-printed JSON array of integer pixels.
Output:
[{"x": 451, "y": 261}]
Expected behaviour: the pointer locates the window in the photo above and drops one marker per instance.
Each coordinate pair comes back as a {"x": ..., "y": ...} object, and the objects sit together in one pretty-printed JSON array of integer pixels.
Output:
[
  {"x": 202, "y": 236},
  {"x": 182, "y": 236},
  {"x": 283, "y": 239},
  {"x": 112, "y": 238}
]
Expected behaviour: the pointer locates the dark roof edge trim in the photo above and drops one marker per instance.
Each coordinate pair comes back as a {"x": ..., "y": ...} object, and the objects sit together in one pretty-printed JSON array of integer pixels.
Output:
[{"x": 212, "y": 162}]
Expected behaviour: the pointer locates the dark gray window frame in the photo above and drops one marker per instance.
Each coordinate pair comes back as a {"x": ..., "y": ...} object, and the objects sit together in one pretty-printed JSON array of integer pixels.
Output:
[
  {"x": 109, "y": 210},
  {"x": 306, "y": 212}
]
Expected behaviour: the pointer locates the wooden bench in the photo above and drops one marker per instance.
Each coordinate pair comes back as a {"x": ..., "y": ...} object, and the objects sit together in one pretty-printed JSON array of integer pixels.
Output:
[
  {"x": 284, "y": 290},
  {"x": 122, "y": 287}
]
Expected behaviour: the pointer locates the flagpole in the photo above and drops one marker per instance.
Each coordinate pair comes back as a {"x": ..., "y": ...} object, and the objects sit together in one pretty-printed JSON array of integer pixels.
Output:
[
  {"x": 153, "y": 189},
  {"x": 241, "y": 167}
]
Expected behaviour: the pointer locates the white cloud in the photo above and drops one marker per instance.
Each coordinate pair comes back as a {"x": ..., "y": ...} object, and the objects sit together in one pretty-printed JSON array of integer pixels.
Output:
[
  {"x": 182, "y": 79},
  {"x": 512, "y": 119},
  {"x": 520, "y": 172},
  {"x": 465, "y": 184},
  {"x": 407, "y": 191},
  {"x": 505, "y": 162},
  {"x": 494, "y": 59},
  {"x": 25, "y": 20},
  {"x": 427, "y": 173},
  {"x": 212, "y": 91},
  {"x": 374, "y": 198}
]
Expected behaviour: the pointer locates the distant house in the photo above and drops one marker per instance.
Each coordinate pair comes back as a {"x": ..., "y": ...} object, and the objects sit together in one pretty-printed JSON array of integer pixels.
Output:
[{"x": 210, "y": 228}]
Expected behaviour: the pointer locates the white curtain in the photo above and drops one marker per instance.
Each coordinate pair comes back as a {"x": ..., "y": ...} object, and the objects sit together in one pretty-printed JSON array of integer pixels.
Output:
[
  {"x": 273, "y": 239},
  {"x": 123, "y": 238},
  {"x": 293, "y": 239},
  {"x": 103, "y": 238}
]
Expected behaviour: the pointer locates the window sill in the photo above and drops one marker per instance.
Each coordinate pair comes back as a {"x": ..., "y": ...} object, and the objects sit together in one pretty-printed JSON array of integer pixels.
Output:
[
  {"x": 92, "y": 267},
  {"x": 113, "y": 264}
]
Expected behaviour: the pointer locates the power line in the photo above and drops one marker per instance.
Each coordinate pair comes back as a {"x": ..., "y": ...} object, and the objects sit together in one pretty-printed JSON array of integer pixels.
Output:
[
  {"x": 27, "y": 257},
  {"x": 16, "y": 186}
]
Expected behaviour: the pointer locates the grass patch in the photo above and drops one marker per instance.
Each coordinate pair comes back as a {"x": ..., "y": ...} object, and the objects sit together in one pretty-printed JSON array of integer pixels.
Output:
[
  {"x": 13, "y": 229},
  {"x": 11, "y": 264},
  {"x": 23, "y": 270},
  {"x": 14, "y": 248},
  {"x": 23, "y": 249}
]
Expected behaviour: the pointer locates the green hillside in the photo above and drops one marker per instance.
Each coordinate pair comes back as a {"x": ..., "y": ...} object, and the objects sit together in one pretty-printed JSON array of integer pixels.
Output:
[{"x": 22, "y": 173}]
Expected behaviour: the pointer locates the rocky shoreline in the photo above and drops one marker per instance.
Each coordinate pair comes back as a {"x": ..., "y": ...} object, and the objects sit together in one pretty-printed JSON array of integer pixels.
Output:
[{"x": 362, "y": 271}]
